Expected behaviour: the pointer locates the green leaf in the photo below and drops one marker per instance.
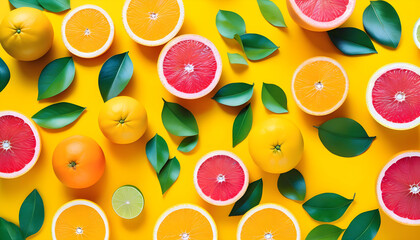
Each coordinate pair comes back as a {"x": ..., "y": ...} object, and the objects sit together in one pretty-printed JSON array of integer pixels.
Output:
[
  {"x": 56, "y": 77},
  {"x": 157, "y": 152},
  {"x": 325, "y": 232},
  {"x": 344, "y": 137},
  {"x": 26, "y": 3},
  {"x": 229, "y": 23},
  {"x": 169, "y": 174},
  {"x": 363, "y": 227},
  {"x": 236, "y": 58},
  {"x": 242, "y": 125},
  {"x": 250, "y": 199},
  {"x": 188, "y": 144},
  {"x": 178, "y": 120},
  {"x": 58, "y": 115},
  {"x": 114, "y": 76},
  {"x": 9, "y": 231},
  {"x": 382, "y": 23},
  {"x": 274, "y": 98},
  {"x": 292, "y": 185},
  {"x": 327, "y": 207},
  {"x": 271, "y": 13},
  {"x": 234, "y": 94},
  {"x": 55, "y": 5},
  {"x": 351, "y": 41},
  {"x": 255, "y": 46},
  {"x": 4, "y": 75},
  {"x": 31, "y": 214}
]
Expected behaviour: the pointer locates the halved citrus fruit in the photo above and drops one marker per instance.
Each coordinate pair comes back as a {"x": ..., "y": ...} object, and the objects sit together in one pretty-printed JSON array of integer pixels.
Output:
[
  {"x": 185, "y": 221},
  {"x": 393, "y": 96},
  {"x": 87, "y": 31},
  {"x": 416, "y": 33},
  {"x": 153, "y": 22},
  {"x": 80, "y": 219},
  {"x": 320, "y": 15},
  {"x": 189, "y": 66},
  {"x": 398, "y": 188},
  {"x": 320, "y": 86},
  {"x": 221, "y": 178},
  {"x": 128, "y": 202},
  {"x": 20, "y": 144},
  {"x": 268, "y": 222}
]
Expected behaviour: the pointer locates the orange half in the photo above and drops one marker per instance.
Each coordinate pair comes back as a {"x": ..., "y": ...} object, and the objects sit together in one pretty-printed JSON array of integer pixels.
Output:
[{"x": 320, "y": 86}]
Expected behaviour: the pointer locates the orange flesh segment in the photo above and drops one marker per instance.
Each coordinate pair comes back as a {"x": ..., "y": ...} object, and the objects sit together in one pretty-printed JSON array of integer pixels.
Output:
[
  {"x": 87, "y": 30},
  {"x": 153, "y": 19}
]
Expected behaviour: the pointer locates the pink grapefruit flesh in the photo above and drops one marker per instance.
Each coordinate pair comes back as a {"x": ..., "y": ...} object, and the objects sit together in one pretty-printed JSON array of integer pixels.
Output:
[
  {"x": 221, "y": 178},
  {"x": 19, "y": 144}
]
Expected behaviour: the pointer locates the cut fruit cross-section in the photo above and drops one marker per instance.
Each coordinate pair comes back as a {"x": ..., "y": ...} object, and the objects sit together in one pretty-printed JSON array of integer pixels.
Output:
[{"x": 128, "y": 202}]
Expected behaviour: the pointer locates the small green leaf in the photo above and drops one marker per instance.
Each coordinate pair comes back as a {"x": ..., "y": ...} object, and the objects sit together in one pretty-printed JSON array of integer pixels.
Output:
[
  {"x": 327, "y": 207},
  {"x": 229, "y": 23},
  {"x": 255, "y": 46},
  {"x": 325, "y": 232},
  {"x": 157, "y": 152},
  {"x": 114, "y": 76},
  {"x": 274, "y": 98},
  {"x": 250, "y": 199},
  {"x": 351, "y": 41},
  {"x": 382, "y": 23},
  {"x": 242, "y": 125},
  {"x": 26, "y": 3},
  {"x": 56, "y": 77},
  {"x": 236, "y": 58},
  {"x": 292, "y": 185},
  {"x": 344, "y": 137},
  {"x": 55, "y": 5},
  {"x": 234, "y": 94},
  {"x": 58, "y": 115},
  {"x": 188, "y": 144},
  {"x": 271, "y": 13},
  {"x": 363, "y": 227},
  {"x": 31, "y": 214},
  {"x": 178, "y": 120},
  {"x": 169, "y": 174},
  {"x": 9, "y": 231},
  {"x": 4, "y": 75}
]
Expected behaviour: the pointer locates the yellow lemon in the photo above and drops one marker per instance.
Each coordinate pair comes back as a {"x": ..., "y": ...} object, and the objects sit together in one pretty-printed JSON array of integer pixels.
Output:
[
  {"x": 276, "y": 145},
  {"x": 123, "y": 120}
]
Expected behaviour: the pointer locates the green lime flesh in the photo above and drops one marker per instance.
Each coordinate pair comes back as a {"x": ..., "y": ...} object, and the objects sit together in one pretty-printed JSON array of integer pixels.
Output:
[{"x": 128, "y": 202}]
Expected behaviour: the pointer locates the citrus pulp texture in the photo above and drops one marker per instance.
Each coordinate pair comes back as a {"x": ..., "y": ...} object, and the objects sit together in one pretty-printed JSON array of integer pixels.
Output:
[{"x": 128, "y": 202}]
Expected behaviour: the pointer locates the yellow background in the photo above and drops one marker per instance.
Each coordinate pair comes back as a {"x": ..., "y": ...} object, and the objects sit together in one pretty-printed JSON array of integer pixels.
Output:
[{"x": 127, "y": 164}]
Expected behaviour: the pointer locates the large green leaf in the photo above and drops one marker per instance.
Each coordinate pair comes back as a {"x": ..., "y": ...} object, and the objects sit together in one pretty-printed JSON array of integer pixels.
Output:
[
  {"x": 242, "y": 125},
  {"x": 178, "y": 120},
  {"x": 114, "y": 76},
  {"x": 344, "y": 137},
  {"x": 58, "y": 115},
  {"x": 234, "y": 94},
  {"x": 327, "y": 207},
  {"x": 255, "y": 46},
  {"x": 382, "y": 23},
  {"x": 236, "y": 58},
  {"x": 229, "y": 23},
  {"x": 169, "y": 174},
  {"x": 157, "y": 152},
  {"x": 9, "y": 231},
  {"x": 26, "y": 3},
  {"x": 188, "y": 144},
  {"x": 56, "y": 77},
  {"x": 274, "y": 98},
  {"x": 351, "y": 41},
  {"x": 325, "y": 232},
  {"x": 4, "y": 75},
  {"x": 292, "y": 185},
  {"x": 55, "y": 5},
  {"x": 271, "y": 13},
  {"x": 250, "y": 199},
  {"x": 363, "y": 227},
  {"x": 31, "y": 214}
]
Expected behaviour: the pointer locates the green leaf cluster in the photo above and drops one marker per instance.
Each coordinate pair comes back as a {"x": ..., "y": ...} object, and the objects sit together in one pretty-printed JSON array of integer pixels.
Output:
[{"x": 50, "y": 5}]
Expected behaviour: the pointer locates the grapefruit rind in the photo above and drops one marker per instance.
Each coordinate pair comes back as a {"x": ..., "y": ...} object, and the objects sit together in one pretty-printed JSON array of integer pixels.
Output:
[
  {"x": 37, "y": 148},
  {"x": 217, "y": 202},
  {"x": 416, "y": 33},
  {"x": 369, "y": 100},
  {"x": 389, "y": 212}
]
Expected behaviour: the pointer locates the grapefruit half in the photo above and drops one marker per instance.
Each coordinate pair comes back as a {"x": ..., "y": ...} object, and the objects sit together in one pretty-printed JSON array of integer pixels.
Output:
[
  {"x": 393, "y": 96},
  {"x": 221, "y": 178},
  {"x": 20, "y": 144},
  {"x": 189, "y": 66},
  {"x": 398, "y": 188}
]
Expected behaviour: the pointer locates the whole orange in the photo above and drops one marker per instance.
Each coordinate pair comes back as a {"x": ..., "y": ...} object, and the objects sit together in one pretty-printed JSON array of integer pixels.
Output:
[{"x": 78, "y": 162}]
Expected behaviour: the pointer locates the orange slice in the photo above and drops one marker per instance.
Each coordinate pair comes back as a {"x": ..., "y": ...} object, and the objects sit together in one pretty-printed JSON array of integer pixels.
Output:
[
  {"x": 80, "y": 219},
  {"x": 87, "y": 31},
  {"x": 320, "y": 86},
  {"x": 185, "y": 221},
  {"x": 153, "y": 22},
  {"x": 268, "y": 222}
]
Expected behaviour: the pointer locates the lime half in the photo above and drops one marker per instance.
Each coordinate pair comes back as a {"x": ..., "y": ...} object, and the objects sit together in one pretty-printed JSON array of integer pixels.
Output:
[
  {"x": 128, "y": 202},
  {"x": 416, "y": 33}
]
